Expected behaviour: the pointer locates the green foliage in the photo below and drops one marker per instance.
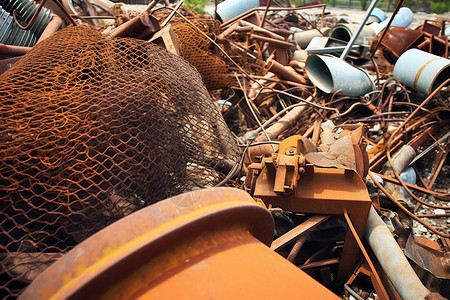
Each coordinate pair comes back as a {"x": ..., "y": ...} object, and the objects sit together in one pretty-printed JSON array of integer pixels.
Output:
[
  {"x": 439, "y": 7},
  {"x": 197, "y": 5}
]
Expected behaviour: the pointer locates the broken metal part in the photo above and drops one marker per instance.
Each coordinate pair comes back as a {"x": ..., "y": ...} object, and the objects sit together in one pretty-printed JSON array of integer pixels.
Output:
[
  {"x": 429, "y": 256},
  {"x": 142, "y": 27},
  {"x": 167, "y": 39},
  {"x": 286, "y": 181},
  {"x": 206, "y": 243}
]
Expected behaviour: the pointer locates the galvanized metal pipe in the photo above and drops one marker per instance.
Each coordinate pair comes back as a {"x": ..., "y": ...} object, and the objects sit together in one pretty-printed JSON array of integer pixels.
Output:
[
  {"x": 421, "y": 70},
  {"x": 403, "y": 18},
  {"x": 392, "y": 260},
  {"x": 386, "y": 249},
  {"x": 355, "y": 36},
  {"x": 229, "y": 9},
  {"x": 331, "y": 74}
]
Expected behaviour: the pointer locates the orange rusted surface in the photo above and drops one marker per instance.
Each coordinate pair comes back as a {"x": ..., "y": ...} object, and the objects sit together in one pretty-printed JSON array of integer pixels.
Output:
[
  {"x": 286, "y": 181},
  {"x": 199, "y": 245}
]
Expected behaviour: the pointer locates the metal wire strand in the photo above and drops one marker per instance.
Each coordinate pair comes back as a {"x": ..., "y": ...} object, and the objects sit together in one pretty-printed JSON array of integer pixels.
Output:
[
  {"x": 390, "y": 140},
  {"x": 406, "y": 211}
]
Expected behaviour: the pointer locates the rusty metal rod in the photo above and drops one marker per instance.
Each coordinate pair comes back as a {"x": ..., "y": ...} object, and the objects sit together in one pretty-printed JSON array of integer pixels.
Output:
[
  {"x": 412, "y": 186},
  {"x": 273, "y": 42},
  {"x": 51, "y": 28},
  {"x": 446, "y": 215},
  {"x": 356, "y": 34},
  {"x": 172, "y": 13},
  {"x": 321, "y": 263},
  {"x": 33, "y": 18},
  {"x": 8, "y": 50},
  {"x": 380, "y": 288},
  {"x": 298, "y": 231},
  {"x": 265, "y": 13},
  {"x": 399, "y": 129},
  {"x": 406, "y": 211}
]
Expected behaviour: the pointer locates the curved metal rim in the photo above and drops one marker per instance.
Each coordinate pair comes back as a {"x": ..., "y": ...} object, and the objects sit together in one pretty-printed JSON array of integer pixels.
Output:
[{"x": 138, "y": 237}]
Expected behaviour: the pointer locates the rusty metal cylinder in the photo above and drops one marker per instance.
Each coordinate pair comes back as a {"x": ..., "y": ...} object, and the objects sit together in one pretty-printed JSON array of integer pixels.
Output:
[{"x": 200, "y": 245}]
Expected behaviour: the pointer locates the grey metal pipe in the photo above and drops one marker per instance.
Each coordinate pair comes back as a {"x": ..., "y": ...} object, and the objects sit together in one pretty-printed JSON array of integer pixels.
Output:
[
  {"x": 355, "y": 36},
  {"x": 383, "y": 244},
  {"x": 392, "y": 260},
  {"x": 401, "y": 160}
]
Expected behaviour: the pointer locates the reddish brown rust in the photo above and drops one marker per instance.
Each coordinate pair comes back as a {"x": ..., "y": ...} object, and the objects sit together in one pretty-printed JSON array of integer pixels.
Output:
[
  {"x": 284, "y": 181},
  {"x": 207, "y": 243}
]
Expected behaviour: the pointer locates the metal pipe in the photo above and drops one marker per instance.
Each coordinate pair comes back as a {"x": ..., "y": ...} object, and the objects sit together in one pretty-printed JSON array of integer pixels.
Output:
[
  {"x": 345, "y": 32},
  {"x": 355, "y": 36},
  {"x": 392, "y": 260},
  {"x": 421, "y": 70},
  {"x": 229, "y": 9},
  {"x": 403, "y": 18},
  {"x": 9, "y": 50},
  {"x": 303, "y": 38},
  {"x": 167, "y": 20},
  {"x": 51, "y": 28},
  {"x": 401, "y": 160},
  {"x": 378, "y": 14},
  {"x": 284, "y": 72},
  {"x": 331, "y": 74}
]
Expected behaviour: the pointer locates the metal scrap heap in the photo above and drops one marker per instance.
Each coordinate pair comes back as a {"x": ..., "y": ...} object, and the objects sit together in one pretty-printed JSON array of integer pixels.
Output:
[{"x": 259, "y": 151}]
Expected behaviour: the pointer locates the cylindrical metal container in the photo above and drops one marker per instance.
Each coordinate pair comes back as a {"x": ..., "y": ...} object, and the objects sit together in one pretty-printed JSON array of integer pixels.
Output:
[
  {"x": 331, "y": 74},
  {"x": 421, "y": 70},
  {"x": 377, "y": 15},
  {"x": 206, "y": 244},
  {"x": 344, "y": 32},
  {"x": 229, "y": 9},
  {"x": 403, "y": 18},
  {"x": 302, "y": 38}
]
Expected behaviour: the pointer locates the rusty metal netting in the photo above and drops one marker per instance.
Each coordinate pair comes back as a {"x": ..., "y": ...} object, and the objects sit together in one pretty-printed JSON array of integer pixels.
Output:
[
  {"x": 92, "y": 129},
  {"x": 198, "y": 49}
]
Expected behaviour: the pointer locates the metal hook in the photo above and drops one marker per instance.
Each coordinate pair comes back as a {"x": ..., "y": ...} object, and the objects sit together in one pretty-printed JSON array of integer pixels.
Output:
[{"x": 33, "y": 19}]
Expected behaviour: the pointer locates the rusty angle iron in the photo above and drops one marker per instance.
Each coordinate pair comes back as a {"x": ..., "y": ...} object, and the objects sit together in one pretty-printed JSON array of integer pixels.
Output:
[
  {"x": 287, "y": 181},
  {"x": 199, "y": 245}
]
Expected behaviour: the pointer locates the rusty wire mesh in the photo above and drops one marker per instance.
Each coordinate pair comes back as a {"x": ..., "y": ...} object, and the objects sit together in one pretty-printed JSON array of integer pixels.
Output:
[
  {"x": 197, "y": 49},
  {"x": 92, "y": 129}
]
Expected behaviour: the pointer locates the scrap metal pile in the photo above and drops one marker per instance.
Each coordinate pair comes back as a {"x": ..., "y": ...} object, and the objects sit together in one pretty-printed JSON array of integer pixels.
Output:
[{"x": 340, "y": 131}]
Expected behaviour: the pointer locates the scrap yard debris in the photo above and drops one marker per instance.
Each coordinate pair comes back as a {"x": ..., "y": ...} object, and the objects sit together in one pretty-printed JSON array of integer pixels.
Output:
[{"x": 261, "y": 150}]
